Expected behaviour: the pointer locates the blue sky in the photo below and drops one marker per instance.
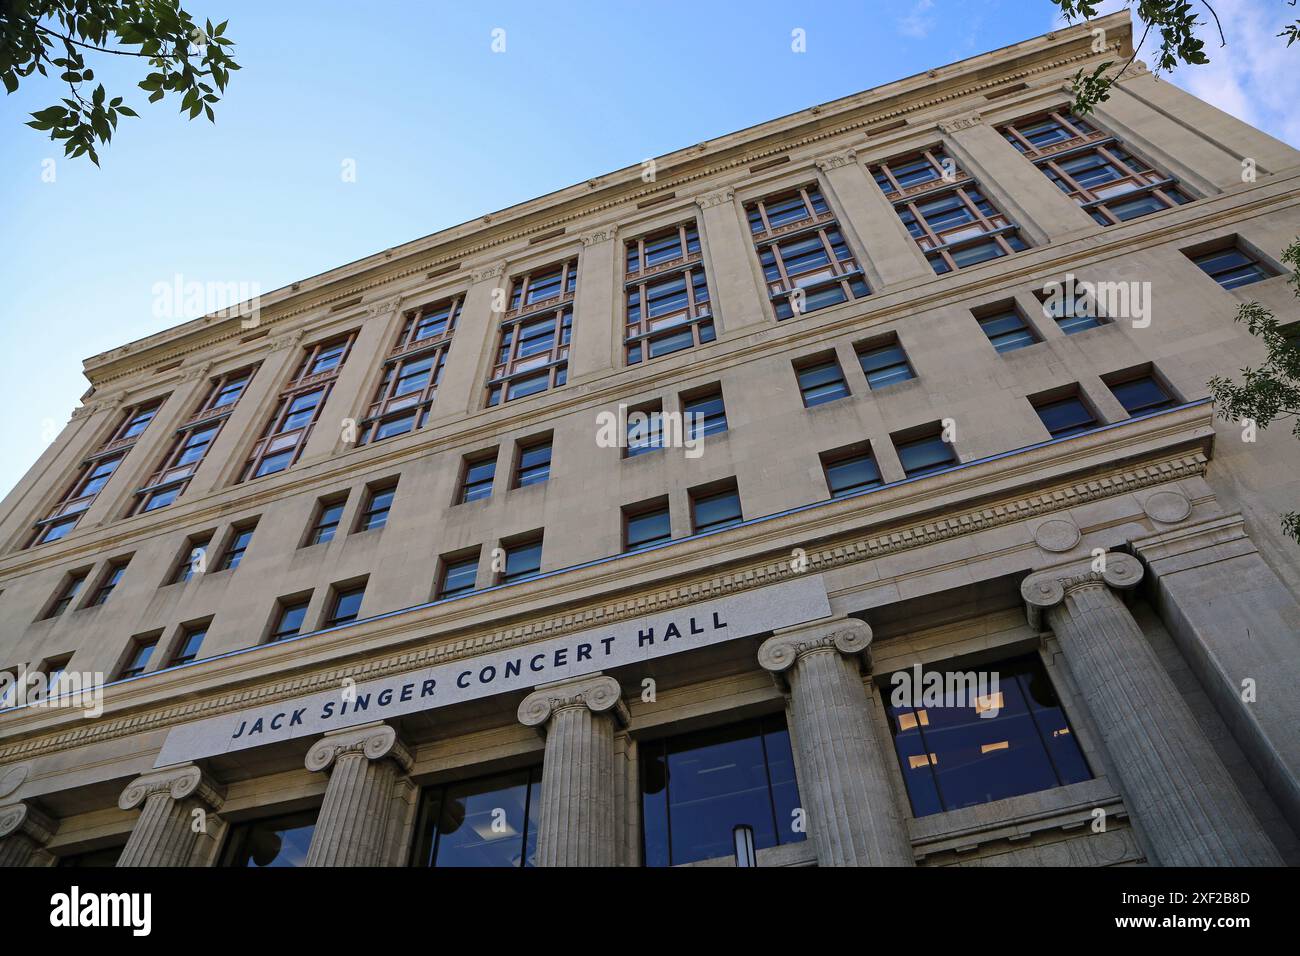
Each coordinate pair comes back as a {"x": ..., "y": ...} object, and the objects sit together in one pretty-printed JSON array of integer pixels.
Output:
[{"x": 441, "y": 129}]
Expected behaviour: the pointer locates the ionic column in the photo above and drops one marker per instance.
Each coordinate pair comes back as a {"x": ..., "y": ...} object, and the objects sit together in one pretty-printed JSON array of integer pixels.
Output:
[
  {"x": 24, "y": 831},
  {"x": 165, "y": 834},
  {"x": 853, "y": 818},
  {"x": 365, "y": 763},
  {"x": 1186, "y": 804},
  {"x": 577, "y": 824}
]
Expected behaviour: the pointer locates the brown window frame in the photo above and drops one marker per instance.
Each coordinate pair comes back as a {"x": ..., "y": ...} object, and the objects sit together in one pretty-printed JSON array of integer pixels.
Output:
[
  {"x": 510, "y": 367},
  {"x": 642, "y": 333},
  {"x": 388, "y": 407}
]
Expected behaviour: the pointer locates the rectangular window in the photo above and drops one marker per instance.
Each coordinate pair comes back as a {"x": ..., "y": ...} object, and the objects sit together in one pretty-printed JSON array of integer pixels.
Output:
[
  {"x": 707, "y": 412},
  {"x": 850, "y": 470},
  {"x": 696, "y": 787},
  {"x": 137, "y": 659},
  {"x": 346, "y": 605},
  {"x": 298, "y": 409},
  {"x": 646, "y": 524},
  {"x": 523, "y": 558},
  {"x": 379, "y": 503},
  {"x": 108, "y": 583},
  {"x": 413, "y": 369},
  {"x": 884, "y": 362},
  {"x": 976, "y": 749},
  {"x": 240, "y": 538},
  {"x": 533, "y": 343},
  {"x": 714, "y": 508},
  {"x": 459, "y": 574},
  {"x": 945, "y": 211},
  {"x": 821, "y": 380},
  {"x": 533, "y": 466},
  {"x": 925, "y": 453},
  {"x": 1092, "y": 168},
  {"x": 645, "y": 430},
  {"x": 67, "y": 594},
  {"x": 1139, "y": 393},
  {"x": 279, "y": 841},
  {"x": 192, "y": 637},
  {"x": 1006, "y": 328},
  {"x": 54, "y": 669},
  {"x": 290, "y": 613},
  {"x": 478, "y": 473},
  {"x": 485, "y": 822},
  {"x": 1063, "y": 415},
  {"x": 1071, "y": 308},
  {"x": 193, "y": 559},
  {"x": 806, "y": 261},
  {"x": 667, "y": 294},
  {"x": 328, "y": 514},
  {"x": 1231, "y": 267}
]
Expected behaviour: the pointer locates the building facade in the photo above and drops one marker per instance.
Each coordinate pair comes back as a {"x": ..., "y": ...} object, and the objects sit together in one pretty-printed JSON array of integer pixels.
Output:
[{"x": 851, "y": 479}]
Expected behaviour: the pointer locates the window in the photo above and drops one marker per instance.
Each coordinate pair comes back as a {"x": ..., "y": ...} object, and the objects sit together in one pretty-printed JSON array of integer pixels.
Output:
[
  {"x": 645, "y": 430},
  {"x": 1092, "y": 168},
  {"x": 1015, "y": 739},
  {"x": 1006, "y": 328},
  {"x": 477, "y": 477},
  {"x": 1139, "y": 394},
  {"x": 103, "y": 857},
  {"x": 298, "y": 409},
  {"x": 193, "y": 559},
  {"x": 239, "y": 541},
  {"x": 1231, "y": 267},
  {"x": 289, "y": 616},
  {"x": 710, "y": 414},
  {"x": 1064, "y": 415},
  {"x": 1072, "y": 308},
  {"x": 192, "y": 637},
  {"x": 806, "y": 262},
  {"x": 944, "y": 210},
  {"x": 667, "y": 294},
  {"x": 375, "y": 514},
  {"x": 54, "y": 670},
  {"x": 412, "y": 371},
  {"x": 483, "y": 822},
  {"x": 459, "y": 573},
  {"x": 273, "y": 841},
  {"x": 346, "y": 605},
  {"x": 646, "y": 524},
  {"x": 326, "y": 525},
  {"x": 523, "y": 558},
  {"x": 849, "y": 471},
  {"x": 821, "y": 380},
  {"x": 696, "y": 787},
  {"x": 67, "y": 594},
  {"x": 112, "y": 577},
  {"x": 533, "y": 347},
  {"x": 715, "y": 508},
  {"x": 925, "y": 453},
  {"x": 884, "y": 362},
  {"x": 533, "y": 466},
  {"x": 9, "y": 679},
  {"x": 192, "y": 442},
  {"x": 137, "y": 658}
]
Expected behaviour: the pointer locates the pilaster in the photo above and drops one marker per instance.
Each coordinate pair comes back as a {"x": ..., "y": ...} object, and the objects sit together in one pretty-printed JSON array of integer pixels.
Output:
[
  {"x": 733, "y": 288},
  {"x": 596, "y": 305},
  {"x": 462, "y": 388}
]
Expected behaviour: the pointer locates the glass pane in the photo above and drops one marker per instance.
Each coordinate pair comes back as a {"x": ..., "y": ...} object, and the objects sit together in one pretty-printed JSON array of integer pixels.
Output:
[
  {"x": 278, "y": 841},
  {"x": 481, "y": 822}
]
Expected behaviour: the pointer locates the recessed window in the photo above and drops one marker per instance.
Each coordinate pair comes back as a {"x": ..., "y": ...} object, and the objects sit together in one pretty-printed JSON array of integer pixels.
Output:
[
  {"x": 645, "y": 430},
  {"x": 137, "y": 659},
  {"x": 279, "y": 841},
  {"x": 378, "y": 504},
  {"x": 924, "y": 454},
  {"x": 697, "y": 787},
  {"x": 1006, "y": 328},
  {"x": 479, "y": 472},
  {"x": 820, "y": 381},
  {"x": 523, "y": 559},
  {"x": 533, "y": 344},
  {"x": 646, "y": 524},
  {"x": 1063, "y": 416},
  {"x": 850, "y": 471},
  {"x": 67, "y": 593},
  {"x": 708, "y": 411},
  {"x": 289, "y": 617},
  {"x": 713, "y": 509},
  {"x": 239, "y": 540},
  {"x": 328, "y": 515},
  {"x": 54, "y": 669},
  {"x": 488, "y": 821},
  {"x": 884, "y": 362},
  {"x": 533, "y": 466},
  {"x": 1072, "y": 308},
  {"x": 666, "y": 294},
  {"x": 192, "y": 637},
  {"x": 193, "y": 559},
  {"x": 1231, "y": 267},
  {"x": 1140, "y": 394},
  {"x": 9, "y": 677},
  {"x": 108, "y": 583},
  {"x": 459, "y": 574},
  {"x": 980, "y": 747},
  {"x": 346, "y": 605},
  {"x": 412, "y": 372}
]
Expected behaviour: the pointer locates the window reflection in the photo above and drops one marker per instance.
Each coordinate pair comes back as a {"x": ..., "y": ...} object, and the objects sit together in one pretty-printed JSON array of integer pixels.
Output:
[
  {"x": 480, "y": 822},
  {"x": 272, "y": 841}
]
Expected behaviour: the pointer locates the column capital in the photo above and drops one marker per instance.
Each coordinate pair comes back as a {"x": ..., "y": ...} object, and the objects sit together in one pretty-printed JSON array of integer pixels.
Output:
[
  {"x": 848, "y": 157},
  {"x": 1047, "y": 588},
  {"x": 494, "y": 271},
  {"x": 847, "y": 635},
  {"x": 180, "y": 781},
  {"x": 286, "y": 341},
  {"x": 599, "y": 693},
  {"x": 604, "y": 234},
  {"x": 958, "y": 123},
  {"x": 373, "y": 741},
  {"x": 717, "y": 197},
  {"x": 383, "y": 307},
  {"x": 26, "y": 819}
]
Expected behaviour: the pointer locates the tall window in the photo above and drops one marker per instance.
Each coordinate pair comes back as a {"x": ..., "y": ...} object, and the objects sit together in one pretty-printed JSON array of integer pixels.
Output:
[
  {"x": 477, "y": 475},
  {"x": 695, "y": 788},
  {"x": 94, "y": 473},
  {"x": 280, "y": 841},
  {"x": 379, "y": 503},
  {"x": 533, "y": 346},
  {"x": 290, "y": 613},
  {"x": 884, "y": 362},
  {"x": 1092, "y": 168},
  {"x": 67, "y": 594},
  {"x": 806, "y": 261},
  {"x": 523, "y": 558},
  {"x": 533, "y": 466},
  {"x": 977, "y": 748},
  {"x": 945, "y": 211},
  {"x": 193, "y": 559},
  {"x": 328, "y": 515},
  {"x": 412, "y": 371},
  {"x": 714, "y": 508},
  {"x": 192, "y": 637},
  {"x": 709, "y": 411},
  {"x": 646, "y": 524},
  {"x": 488, "y": 821},
  {"x": 108, "y": 583},
  {"x": 137, "y": 657},
  {"x": 299, "y": 408},
  {"x": 346, "y": 605},
  {"x": 645, "y": 430},
  {"x": 667, "y": 294},
  {"x": 192, "y": 442},
  {"x": 459, "y": 572},
  {"x": 240, "y": 538}
]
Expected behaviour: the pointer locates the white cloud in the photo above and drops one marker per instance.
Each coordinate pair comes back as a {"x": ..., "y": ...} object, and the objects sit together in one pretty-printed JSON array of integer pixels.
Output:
[{"x": 917, "y": 23}]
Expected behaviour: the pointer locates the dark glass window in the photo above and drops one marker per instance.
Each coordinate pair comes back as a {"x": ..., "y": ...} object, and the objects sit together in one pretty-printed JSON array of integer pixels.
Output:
[
  {"x": 482, "y": 822},
  {"x": 347, "y": 605},
  {"x": 1065, "y": 416},
  {"x": 71, "y": 587},
  {"x": 974, "y": 749},
  {"x": 695, "y": 788},
  {"x": 924, "y": 455},
  {"x": 458, "y": 575},
  {"x": 885, "y": 365},
  {"x": 821, "y": 382},
  {"x": 110, "y": 581},
  {"x": 107, "y": 856},
  {"x": 533, "y": 343},
  {"x": 1073, "y": 311},
  {"x": 645, "y": 431},
  {"x": 846, "y": 474},
  {"x": 375, "y": 514},
  {"x": 711, "y": 414},
  {"x": 273, "y": 841},
  {"x": 289, "y": 620},
  {"x": 412, "y": 372},
  {"x": 191, "y": 640},
  {"x": 534, "y": 465},
  {"x": 711, "y": 511},
  {"x": 327, "y": 522},
  {"x": 194, "y": 559},
  {"x": 479, "y": 473},
  {"x": 522, "y": 560},
  {"x": 1143, "y": 394},
  {"x": 139, "y": 658},
  {"x": 1007, "y": 330},
  {"x": 666, "y": 294},
  {"x": 1231, "y": 268},
  {"x": 642, "y": 528},
  {"x": 235, "y": 550}
]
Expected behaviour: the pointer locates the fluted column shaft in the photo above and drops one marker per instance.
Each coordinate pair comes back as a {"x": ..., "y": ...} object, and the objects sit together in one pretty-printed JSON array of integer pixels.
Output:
[
  {"x": 24, "y": 831},
  {"x": 577, "y": 824},
  {"x": 1186, "y": 804},
  {"x": 167, "y": 830},
  {"x": 853, "y": 816},
  {"x": 364, "y": 766}
]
